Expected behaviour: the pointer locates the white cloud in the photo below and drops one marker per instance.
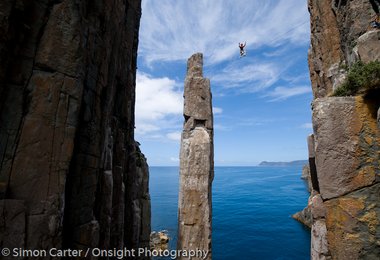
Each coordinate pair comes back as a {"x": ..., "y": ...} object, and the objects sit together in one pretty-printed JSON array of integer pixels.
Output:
[
  {"x": 143, "y": 126},
  {"x": 217, "y": 110},
  {"x": 173, "y": 30},
  {"x": 250, "y": 78},
  {"x": 175, "y": 136},
  {"x": 174, "y": 159},
  {"x": 159, "y": 104},
  {"x": 282, "y": 93},
  {"x": 277, "y": 36},
  {"x": 307, "y": 126}
]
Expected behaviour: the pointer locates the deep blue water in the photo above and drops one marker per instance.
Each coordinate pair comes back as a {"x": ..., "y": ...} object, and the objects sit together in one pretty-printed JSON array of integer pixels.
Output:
[{"x": 252, "y": 208}]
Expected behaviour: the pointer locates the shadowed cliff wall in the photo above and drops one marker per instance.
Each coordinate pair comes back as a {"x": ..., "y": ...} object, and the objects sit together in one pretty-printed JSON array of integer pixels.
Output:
[{"x": 71, "y": 174}]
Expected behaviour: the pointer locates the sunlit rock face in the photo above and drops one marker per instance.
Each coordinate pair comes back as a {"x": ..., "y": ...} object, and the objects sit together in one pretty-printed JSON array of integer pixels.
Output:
[
  {"x": 335, "y": 28},
  {"x": 347, "y": 144},
  {"x": 196, "y": 162},
  {"x": 368, "y": 47},
  {"x": 347, "y": 160},
  {"x": 344, "y": 209},
  {"x": 71, "y": 174}
]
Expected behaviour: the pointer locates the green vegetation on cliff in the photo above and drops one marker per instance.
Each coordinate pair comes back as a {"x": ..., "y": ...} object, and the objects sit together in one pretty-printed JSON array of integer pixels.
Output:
[{"x": 360, "y": 76}]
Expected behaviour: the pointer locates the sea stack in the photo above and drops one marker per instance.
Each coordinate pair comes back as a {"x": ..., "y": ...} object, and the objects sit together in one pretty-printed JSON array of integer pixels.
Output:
[{"x": 196, "y": 162}]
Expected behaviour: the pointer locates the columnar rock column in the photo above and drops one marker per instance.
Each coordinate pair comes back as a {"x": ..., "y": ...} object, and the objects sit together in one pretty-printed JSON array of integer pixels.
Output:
[
  {"x": 71, "y": 174},
  {"x": 196, "y": 162}
]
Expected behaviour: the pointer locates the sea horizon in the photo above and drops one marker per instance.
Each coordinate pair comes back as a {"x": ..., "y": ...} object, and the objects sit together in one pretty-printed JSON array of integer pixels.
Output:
[{"x": 248, "y": 165}]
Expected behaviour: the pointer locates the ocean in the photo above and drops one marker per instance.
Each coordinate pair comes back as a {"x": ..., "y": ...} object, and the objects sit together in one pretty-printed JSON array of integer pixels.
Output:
[{"x": 252, "y": 208}]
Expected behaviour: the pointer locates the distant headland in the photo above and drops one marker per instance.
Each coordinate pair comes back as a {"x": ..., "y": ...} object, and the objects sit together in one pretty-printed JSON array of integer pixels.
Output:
[{"x": 292, "y": 163}]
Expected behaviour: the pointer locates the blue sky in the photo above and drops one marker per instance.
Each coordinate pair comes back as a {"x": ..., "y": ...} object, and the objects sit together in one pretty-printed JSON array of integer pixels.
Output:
[{"x": 261, "y": 102}]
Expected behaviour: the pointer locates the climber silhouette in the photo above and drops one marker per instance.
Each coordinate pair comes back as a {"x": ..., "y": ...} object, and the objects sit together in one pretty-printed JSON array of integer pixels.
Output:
[
  {"x": 376, "y": 5},
  {"x": 242, "y": 51}
]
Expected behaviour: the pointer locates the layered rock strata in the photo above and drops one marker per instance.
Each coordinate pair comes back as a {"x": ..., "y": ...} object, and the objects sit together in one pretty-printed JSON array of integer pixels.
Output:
[
  {"x": 196, "y": 162},
  {"x": 71, "y": 174},
  {"x": 345, "y": 207}
]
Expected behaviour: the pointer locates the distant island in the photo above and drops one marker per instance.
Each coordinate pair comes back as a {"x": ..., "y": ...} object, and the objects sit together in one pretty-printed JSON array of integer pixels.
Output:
[{"x": 292, "y": 163}]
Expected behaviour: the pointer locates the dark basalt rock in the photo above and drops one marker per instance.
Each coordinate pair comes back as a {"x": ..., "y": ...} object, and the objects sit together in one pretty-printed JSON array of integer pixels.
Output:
[{"x": 71, "y": 174}]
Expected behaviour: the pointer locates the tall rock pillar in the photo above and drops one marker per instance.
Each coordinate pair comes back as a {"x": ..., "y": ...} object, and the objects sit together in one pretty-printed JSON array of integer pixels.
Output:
[{"x": 196, "y": 162}]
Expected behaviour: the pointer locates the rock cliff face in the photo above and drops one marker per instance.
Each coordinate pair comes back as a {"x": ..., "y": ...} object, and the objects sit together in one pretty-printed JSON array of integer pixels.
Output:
[
  {"x": 336, "y": 26},
  {"x": 196, "y": 162},
  {"x": 344, "y": 202},
  {"x": 71, "y": 174}
]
